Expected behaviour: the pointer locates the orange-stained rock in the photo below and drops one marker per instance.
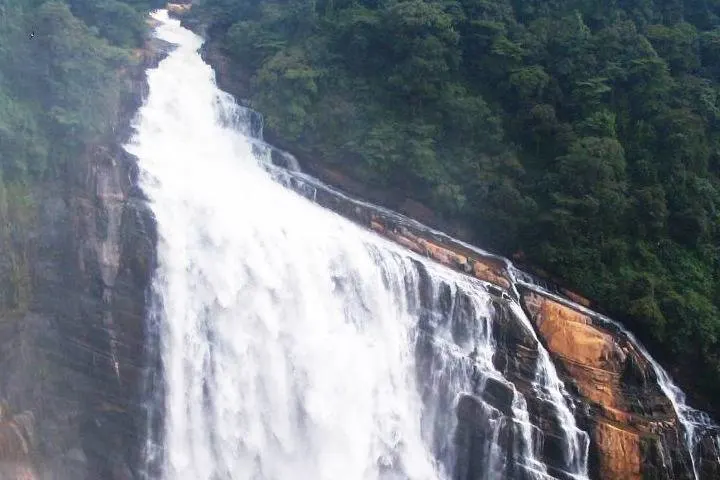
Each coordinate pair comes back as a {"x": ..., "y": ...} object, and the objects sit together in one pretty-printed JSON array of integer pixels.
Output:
[
  {"x": 178, "y": 8},
  {"x": 590, "y": 354},
  {"x": 577, "y": 298},
  {"x": 407, "y": 243},
  {"x": 377, "y": 226},
  {"x": 613, "y": 377},
  {"x": 462, "y": 260},
  {"x": 621, "y": 452},
  {"x": 486, "y": 271}
]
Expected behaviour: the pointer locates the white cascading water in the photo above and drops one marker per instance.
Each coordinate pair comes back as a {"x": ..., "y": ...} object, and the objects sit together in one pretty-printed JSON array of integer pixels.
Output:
[
  {"x": 263, "y": 381},
  {"x": 549, "y": 386},
  {"x": 290, "y": 336}
]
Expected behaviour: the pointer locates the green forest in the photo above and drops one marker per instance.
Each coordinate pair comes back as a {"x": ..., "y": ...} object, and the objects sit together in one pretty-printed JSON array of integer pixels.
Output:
[{"x": 584, "y": 134}]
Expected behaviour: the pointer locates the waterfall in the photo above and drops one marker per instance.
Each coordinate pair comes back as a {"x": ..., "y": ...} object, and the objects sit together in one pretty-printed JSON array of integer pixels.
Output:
[{"x": 295, "y": 344}]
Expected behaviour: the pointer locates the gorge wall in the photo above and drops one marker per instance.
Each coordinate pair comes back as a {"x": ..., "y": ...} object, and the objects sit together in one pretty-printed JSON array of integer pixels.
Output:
[{"x": 73, "y": 352}]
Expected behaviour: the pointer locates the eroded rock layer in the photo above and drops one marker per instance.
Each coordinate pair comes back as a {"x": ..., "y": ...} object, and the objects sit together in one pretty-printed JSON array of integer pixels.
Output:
[{"x": 630, "y": 413}]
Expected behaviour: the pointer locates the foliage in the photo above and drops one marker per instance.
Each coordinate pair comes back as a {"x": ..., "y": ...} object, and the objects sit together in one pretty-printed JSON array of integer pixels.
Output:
[
  {"x": 586, "y": 134},
  {"x": 59, "y": 82}
]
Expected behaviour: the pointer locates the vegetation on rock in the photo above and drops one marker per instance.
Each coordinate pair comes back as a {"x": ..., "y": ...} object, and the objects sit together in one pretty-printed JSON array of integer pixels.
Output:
[
  {"x": 60, "y": 91},
  {"x": 585, "y": 134}
]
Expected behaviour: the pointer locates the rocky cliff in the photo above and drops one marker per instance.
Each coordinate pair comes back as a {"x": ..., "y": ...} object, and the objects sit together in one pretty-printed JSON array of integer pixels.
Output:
[
  {"x": 72, "y": 351},
  {"x": 636, "y": 433}
]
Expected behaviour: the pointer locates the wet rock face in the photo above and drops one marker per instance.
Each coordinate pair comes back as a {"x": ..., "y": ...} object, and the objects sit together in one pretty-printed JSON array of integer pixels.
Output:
[
  {"x": 633, "y": 430},
  {"x": 72, "y": 359},
  {"x": 479, "y": 427},
  {"x": 114, "y": 250},
  {"x": 710, "y": 456},
  {"x": 477, "y": 344}
]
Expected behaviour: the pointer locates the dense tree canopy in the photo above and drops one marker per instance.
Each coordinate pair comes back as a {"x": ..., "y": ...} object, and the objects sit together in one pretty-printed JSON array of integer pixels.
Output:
[{"x": 584, "y": 133}]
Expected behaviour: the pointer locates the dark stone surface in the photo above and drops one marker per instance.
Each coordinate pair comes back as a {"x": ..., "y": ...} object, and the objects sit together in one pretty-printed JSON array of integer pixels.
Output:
[
  {"x": 498, "y": 395},
  {"x": 479, "y": 426}
]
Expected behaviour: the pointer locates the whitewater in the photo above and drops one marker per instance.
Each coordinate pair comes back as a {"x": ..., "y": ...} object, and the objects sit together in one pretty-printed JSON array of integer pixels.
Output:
[{"x": 289, "y": 335}]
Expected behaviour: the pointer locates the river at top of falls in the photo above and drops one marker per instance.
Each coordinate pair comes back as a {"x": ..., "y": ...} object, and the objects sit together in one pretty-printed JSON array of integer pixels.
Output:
[{"x": 296, "y": 345}]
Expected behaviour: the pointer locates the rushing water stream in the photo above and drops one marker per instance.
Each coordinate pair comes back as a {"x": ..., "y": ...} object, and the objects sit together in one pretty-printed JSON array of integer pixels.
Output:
[{"x": 296, "y": 345}]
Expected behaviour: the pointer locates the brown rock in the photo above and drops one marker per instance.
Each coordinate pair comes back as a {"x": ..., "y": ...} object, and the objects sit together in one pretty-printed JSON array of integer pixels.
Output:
[
  {"x": 484, "y": 270},
  {"x": 178, "y": 8},
  {"x": 612, "y": 376},
  {"x": 621, "y": 452}
]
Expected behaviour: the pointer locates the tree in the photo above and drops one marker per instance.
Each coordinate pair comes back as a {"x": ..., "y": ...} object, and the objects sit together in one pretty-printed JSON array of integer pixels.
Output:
[
  {"x": 292, "y": 82},
  {"x": 423, "y": 48},
  {"x": 591, "y": 179}
]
